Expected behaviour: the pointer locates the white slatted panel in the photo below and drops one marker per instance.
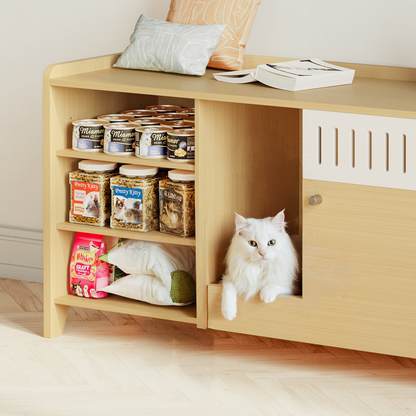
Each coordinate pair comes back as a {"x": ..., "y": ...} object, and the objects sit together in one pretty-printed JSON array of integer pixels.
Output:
[{"x": 359, "y": 149}]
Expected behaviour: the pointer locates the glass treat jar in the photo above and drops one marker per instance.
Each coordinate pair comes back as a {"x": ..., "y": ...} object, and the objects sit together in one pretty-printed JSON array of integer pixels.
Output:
[
  {"x": 90, "y": 192},
  {"x": 177, "y": 203},
  {"x": 134, "y": 199}
]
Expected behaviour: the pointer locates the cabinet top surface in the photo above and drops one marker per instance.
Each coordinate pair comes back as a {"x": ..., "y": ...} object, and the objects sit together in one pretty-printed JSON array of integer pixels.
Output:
[{"x": 393, "y": 98}]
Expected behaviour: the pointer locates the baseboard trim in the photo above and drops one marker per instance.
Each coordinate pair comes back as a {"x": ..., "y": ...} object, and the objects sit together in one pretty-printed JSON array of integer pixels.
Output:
[{"x": 21, "y": 254}]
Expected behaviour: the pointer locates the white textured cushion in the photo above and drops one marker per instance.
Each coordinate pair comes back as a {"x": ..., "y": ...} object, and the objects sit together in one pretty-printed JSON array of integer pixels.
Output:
[{"x": 170, "y": 47}]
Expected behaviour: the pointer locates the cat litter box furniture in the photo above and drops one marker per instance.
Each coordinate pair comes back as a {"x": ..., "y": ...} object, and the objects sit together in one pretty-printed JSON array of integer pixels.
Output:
[{"x": 260, "y": 150}]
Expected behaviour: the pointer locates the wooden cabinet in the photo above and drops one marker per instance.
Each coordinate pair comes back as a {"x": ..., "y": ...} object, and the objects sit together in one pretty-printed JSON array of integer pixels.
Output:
[{"x": 358, "y": 246}]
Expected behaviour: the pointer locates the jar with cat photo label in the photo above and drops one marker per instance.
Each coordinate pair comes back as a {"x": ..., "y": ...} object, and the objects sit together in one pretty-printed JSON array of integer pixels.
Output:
[
  {"x": 90, "y": 192},
  {"x": 177, "y": 203},
  {"x": 135, "y": 199}
]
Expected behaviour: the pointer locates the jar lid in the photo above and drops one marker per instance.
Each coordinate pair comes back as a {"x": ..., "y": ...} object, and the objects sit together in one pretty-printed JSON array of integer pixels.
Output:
[
  {"x": 96, "y": 165},
  {"x": 181, "y": 175},
  {"x": 138, "y": 170}
]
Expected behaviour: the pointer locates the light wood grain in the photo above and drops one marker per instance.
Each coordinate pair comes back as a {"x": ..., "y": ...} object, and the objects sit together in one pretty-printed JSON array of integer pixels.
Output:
[
  {"x": 158, "y": 367},
  {"x": 358, "y": 269}
]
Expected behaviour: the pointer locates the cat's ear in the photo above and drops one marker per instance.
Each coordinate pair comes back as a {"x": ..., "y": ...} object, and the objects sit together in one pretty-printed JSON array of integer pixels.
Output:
[
  {"x": 279, "y": 220},
  {"x": 240, "y": 223}
]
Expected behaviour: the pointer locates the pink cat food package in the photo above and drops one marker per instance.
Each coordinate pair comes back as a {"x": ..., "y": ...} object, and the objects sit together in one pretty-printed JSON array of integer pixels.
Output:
[{"x": 88, "y": 274}]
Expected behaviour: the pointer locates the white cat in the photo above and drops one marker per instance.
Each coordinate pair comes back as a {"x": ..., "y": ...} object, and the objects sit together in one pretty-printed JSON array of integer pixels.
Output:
[{"x": 261, "y": 258}]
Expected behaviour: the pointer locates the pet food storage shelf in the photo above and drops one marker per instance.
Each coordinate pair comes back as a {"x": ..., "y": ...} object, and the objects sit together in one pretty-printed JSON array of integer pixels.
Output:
[
  {"x": 250, "y": 143},
  {"x": 113, "y": 303}
]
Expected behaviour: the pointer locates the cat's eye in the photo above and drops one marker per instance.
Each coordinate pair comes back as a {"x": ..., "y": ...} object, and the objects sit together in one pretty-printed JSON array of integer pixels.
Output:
[
  {"x": 252, "y": 243},
  {"x": 271, "y": 243}
]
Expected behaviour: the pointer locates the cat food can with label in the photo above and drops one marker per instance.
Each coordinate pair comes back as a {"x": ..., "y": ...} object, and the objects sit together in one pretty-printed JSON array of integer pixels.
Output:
[
  {"x": 119, "y": 138},
  {"x": 135, "y": 199},
  {"x": 177, "y": 203},
  {"x": 90, "y": 192},
  {"x": 181, "y": 145},
  {"x": 151, "y": 142},
  {"x": 88, "y": 135},
  {"x": 164, "y": 108}
]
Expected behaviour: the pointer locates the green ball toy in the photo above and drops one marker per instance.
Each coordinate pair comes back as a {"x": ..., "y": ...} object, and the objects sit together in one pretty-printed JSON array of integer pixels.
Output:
[{"x": 183, "y": 287}]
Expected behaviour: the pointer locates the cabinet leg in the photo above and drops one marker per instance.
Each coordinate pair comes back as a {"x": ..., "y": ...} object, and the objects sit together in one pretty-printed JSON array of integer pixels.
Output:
[{"x": 54, "y": 320}]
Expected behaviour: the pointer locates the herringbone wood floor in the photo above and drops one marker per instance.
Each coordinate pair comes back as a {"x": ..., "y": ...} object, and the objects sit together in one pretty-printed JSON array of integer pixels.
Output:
[{"x": 111, "y": 364}]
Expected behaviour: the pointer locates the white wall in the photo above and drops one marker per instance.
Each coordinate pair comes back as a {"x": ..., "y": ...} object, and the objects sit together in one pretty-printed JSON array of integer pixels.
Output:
[{"x": 35, "y": 34}]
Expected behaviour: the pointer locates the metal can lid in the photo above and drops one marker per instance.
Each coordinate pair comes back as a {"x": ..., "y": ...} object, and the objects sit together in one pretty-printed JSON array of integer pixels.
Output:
[
  {"x": 164, "y": 107},
  {"x": 182, "y": 132},
  {"x": 154, "y": 128},
  {"x": 139, "y": 113},
  {"x": 149, "y": 120},
  {"x": 116, "y": 118},
  {"x": 120, "y": 126},
  {"x": 179, "y": 123},
  {"x": 90, "y": 122},
  {"x": 181, "y": 175},
  {"x": 96, "y": 165},
  {"x": 138, "y": 170}
]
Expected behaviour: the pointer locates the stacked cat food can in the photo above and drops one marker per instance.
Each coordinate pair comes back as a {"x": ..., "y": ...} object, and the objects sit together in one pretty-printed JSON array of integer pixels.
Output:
[
  {"x": 181, "y": 145},
  {"x": 151, "y": 142},
  {"x": 90, "y": 192},
  {"x": 135, "y": 198},
  {"x": 177, "y": 203},
  {"x": 88, "y": 135}
]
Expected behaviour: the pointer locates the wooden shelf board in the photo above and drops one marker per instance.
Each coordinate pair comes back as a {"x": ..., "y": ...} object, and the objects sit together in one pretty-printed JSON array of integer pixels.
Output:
[
  {"x": 364, "y": 96},
  {"x": 160, "y": 163},
  {"x": 154, "y": 236},
  {"x": 118, "y": 304}
]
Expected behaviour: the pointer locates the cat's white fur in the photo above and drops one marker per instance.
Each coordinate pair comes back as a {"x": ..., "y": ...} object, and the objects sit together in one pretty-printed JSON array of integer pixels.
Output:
[{"x": 270, "y": 269}]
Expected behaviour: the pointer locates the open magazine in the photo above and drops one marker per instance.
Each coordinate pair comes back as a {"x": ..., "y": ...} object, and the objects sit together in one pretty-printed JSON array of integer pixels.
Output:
[{"x": 292, "y": 75}]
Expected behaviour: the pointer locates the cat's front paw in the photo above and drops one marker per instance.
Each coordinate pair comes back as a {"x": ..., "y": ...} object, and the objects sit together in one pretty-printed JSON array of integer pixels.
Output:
[
  {"x": 268, "y": 293},
  {"x": 229, "y": 301},
  {"x": 229, "y": 311}
]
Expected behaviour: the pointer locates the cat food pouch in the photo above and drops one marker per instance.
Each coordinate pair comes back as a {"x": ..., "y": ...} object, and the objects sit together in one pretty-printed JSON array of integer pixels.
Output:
[{"x": 88, "y": 274}]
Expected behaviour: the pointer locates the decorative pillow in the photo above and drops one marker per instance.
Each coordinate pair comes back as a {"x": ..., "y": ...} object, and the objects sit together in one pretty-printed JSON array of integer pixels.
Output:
[
  {"x": 237, "y": 15},
  {"x": 145, "y": 257},
  {"x": 170, "y": 47}
]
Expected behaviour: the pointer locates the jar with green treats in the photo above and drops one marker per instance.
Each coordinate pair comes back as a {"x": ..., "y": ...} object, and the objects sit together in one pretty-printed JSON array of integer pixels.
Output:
[
  {"x": 177, "y": 203},
  {"x": 90, "y": 192},
  {"x": 134, "y": 199}
]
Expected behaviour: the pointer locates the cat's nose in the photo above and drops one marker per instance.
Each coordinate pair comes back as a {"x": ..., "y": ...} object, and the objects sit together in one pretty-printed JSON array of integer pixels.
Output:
[{"x": 262, "y": 254}]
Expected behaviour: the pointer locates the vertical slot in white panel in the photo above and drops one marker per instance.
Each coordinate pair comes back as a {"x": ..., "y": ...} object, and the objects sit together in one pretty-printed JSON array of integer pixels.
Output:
[
  {"x": 379, "y": 152},
  {"x": 345, "y": 148},
  {"x": 359, "y": 149},
  {"x": 397, "y": 153}
]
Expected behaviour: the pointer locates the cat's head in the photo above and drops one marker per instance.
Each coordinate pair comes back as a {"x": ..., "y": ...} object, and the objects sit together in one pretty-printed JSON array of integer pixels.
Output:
[
  {"x": 119, "y": 203},
  {"x": 260, "y": 240}
]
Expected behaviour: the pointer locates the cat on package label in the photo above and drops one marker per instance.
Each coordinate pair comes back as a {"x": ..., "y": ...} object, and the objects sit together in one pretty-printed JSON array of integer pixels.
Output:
[
  {"x": 134, "y": 214},
  {"x": 92, "y": 209},
  {"x": 172, "y": 213},
  {"x": 119, "y": 208},
  {"x": 261, "y": 259}
]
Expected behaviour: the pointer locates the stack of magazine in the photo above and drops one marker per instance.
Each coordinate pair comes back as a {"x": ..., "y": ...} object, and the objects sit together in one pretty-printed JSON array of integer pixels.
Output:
[{"x": 297, "y": 75}]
